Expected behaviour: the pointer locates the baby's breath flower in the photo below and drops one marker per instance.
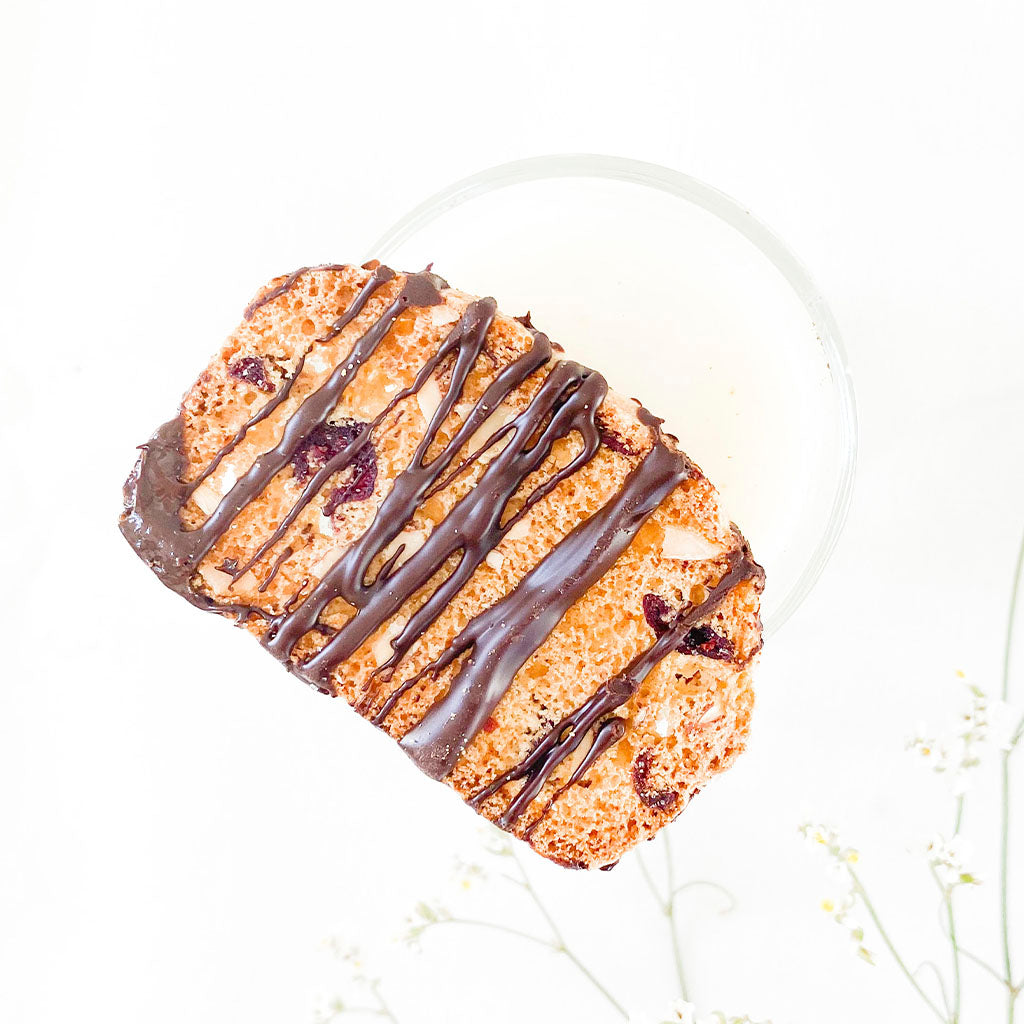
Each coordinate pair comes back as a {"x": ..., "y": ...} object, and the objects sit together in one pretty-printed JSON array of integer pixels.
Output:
[
  {"x": 720, "y": 1018},
  {"x": 467, "y": 872},
  {"x": 1003, "y": 718},
  {"x": 424, "y": 915},
  {"x": 935, "y": 753},
  {"x": 827, "y": 838},
  {"x": 957, "y": 754},
  {"x": 684, "y": 1012},
  {"x": 947, "y": 857},
  {"x": 865, "y": 954},
  {"x": 841, "y": 859}
]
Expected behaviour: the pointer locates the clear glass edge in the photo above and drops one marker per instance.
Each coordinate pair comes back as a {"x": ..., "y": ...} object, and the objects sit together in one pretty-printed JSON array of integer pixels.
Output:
[{"x": 665, "y": 179}]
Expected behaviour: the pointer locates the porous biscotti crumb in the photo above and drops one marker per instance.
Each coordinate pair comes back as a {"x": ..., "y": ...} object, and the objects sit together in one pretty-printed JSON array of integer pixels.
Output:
[{"x": 422, "y": 506}]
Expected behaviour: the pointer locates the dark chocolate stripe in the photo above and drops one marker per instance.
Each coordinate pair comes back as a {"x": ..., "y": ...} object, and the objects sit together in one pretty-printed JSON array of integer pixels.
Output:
[
  {"x": 285, "y": 286},
  {"x": 606, "y": 735},
  {"x": 566, "y": 736},
  {"x": 155, "y": 493},
  {"x": 276, "y": 568},
  {"x": 376, "y": 601},
  {"x": 504, "y": 636},
  {"x": 317, "y": 408},
  {"x": 467, "y": 336},
  {"x": 379, "y": 277},
  {"x": 499, "y": 641},
  {"x": 473, "y": 528}
]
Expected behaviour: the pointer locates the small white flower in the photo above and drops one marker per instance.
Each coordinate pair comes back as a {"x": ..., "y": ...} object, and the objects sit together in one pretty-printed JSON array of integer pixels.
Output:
[
  {"x": 684, "y": 1012},
  {"x": 937, "y": 755},
  {"x": 949, "y": 858},
  {"x": 1003, "y": 720}
]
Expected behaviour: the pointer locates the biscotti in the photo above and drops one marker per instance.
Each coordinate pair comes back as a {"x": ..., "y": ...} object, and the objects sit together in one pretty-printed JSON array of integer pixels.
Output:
[{"x": 422, "y": 506}]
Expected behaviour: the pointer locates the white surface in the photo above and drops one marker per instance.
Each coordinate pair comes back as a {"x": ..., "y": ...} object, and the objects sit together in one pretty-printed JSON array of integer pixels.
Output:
[
  {"x": 183, "y": 825},
  {"x": 661, "y": 284}
]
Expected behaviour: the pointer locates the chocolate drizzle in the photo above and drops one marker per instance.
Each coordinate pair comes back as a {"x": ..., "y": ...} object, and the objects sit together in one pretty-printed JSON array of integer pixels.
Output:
[
  {"x": 286, "y": 286},
  {"x": 155, "y": 493},
  {"x": 567, "y": 735},
  {"x": 606, "y": 735},
  {"x": 487, "y": 654},
  {"x": 504, "y": 636}
]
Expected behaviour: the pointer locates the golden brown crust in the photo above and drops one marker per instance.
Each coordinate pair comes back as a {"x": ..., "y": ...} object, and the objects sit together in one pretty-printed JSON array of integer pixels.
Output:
[{"x": 689, "y": 719}]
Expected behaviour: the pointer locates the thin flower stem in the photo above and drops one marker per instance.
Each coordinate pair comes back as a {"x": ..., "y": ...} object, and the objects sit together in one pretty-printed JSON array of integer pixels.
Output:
[
  {"x": 658, "y": 898},
  {"x": 958, "y": 818},
  {"x": 1014, "y": 594},
  {"x": 493, "y": 926},
  {"x": 710, "y": 885},
  {"x": 947, "y": 902},
  {"x": 1017, "y": 734},
  {"x": 951, "y": 921},
  {"x": 670, "y": 905},
  {"x": 938, "y": 977},
  {"x": 1004, "y": 845},
  {"x": 870, "y": 907},
  {"x": 974, "y": 958},
  {"x": 560, "y": 945},
  {"x": 383, "y": 1009},
  {"x": 528, "y": 885},
  {"x": 585, "y": 971},
  {"x": 367, "y": 1010}
]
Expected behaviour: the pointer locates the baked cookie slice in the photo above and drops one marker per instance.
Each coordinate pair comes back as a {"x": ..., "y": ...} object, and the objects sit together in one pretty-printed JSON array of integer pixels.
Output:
[{"x": 421, "y": 505}]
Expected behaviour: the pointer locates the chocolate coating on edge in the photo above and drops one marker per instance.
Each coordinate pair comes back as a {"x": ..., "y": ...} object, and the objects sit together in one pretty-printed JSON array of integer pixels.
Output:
[{"x": 499, "y": 640}]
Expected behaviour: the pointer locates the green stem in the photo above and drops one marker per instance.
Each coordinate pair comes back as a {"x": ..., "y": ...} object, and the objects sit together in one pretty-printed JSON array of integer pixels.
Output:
[
  {"x": 650, "y": 881},
  {"x": 493, "y": 926},
  {"x": 947, "y": 899},
  {"x": 670, "y": 911},
  {"x": 974, "y": 958},
  {"x": 710, "y": 885},
  {"x": 585, "y": 971},
  {"x": 873, "y": 914},
  {"x": 384, "y": 1010},
  {"x": 958, "y": 818},
  {"x": 1007, "y": 650},
  {"x": 367, "y": 1010},
  {"x": 947, "y": 902},
  {"x": 938, "y": 977},
  {"x": 1004, "y": 884},
  {"x": 1004, "y": 845},
  {"x": 560, "y": 945}
]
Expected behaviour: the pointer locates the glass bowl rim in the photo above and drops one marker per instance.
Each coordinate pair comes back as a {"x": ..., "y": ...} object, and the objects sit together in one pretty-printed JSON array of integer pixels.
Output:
[{"x": 737, "y": 216}]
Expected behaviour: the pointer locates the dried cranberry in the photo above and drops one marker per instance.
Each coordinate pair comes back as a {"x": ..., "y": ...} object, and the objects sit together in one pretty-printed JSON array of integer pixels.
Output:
[
  {"x": 657, "y": 799},
  {"x": 360, "y": 487},
  {"x": 702, "y": 640},
  {"x": 705, "y": 641},
  {"x": 617, "y": 443},
  {"x": 658, "y": 613},
  {"x": 252, "y": 370},
  {"x": 321, "y": 445}
]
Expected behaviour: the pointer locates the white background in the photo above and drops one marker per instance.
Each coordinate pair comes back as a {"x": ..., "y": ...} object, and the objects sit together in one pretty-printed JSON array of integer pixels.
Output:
[{"x": 182, "y": 827}]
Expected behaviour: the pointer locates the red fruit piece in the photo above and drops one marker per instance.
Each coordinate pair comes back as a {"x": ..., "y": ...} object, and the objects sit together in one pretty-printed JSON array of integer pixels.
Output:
[
  {"x": 326, "y": 441},
  {"x": 658, "y": 613},
  {"x": 658, "y": 799},
  {"x": 702, "y": 640},
  {"x": 253, "y": 371},
  {"x": 705, "y": 641},
  {"x": 610, "y": 439}
]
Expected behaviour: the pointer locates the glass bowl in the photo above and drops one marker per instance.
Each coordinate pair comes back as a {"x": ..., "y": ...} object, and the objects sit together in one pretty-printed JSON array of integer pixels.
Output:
[{"x": 683, "y": 299}]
